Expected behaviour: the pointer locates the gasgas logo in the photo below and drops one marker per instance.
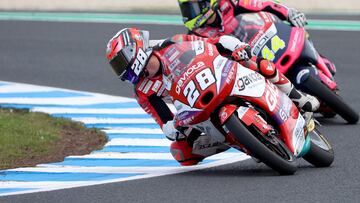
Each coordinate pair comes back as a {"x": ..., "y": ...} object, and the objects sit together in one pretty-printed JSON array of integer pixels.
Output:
[{"x": 248, "y": 80}]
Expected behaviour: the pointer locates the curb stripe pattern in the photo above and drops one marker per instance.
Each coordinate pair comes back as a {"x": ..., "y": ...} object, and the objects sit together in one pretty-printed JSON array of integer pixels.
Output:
[{"x": 136, "y": 148}]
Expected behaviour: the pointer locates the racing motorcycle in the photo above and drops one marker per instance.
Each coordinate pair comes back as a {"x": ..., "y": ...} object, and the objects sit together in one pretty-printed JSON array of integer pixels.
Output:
[
  {"x": 239, "y": 107},
  {"x": 295, "y": 55}
]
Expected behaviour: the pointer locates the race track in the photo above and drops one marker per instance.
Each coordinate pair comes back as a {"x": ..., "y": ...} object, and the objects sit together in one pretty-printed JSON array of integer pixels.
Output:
[{"x": 71, "y": 55}]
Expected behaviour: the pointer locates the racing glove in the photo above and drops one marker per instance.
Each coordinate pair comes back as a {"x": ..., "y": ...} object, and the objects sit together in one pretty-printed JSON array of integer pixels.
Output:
[
  {"x": 243, "y": 53},
  {"x": 171, "y": 132},
  {"x": 240, "y": 51},
  {"x": 296, "y": 18}
]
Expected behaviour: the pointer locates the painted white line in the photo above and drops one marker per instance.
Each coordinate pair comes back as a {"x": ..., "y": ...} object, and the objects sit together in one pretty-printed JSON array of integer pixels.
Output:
[
  {"x": 108, "y": 170},
  {"x": 95, "y": 98},
  {"x": 134, "y": 130},
  {"x": 56, "y": 110},
  {"x": 138, "y": 142},
  {"x": 81, "y": 100},
  {"x": 128, "y": 155},
  {"x": 16, "y": 88},
  {"x": 50, "y": 186},
  {"x": 9, "y": 85},
  {"x": 116, "y": 120},
  {"x": 149, "y": 156}
]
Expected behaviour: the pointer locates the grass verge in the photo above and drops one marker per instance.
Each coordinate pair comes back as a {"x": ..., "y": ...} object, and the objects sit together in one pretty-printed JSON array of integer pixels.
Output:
[{"x": 29, "y": 138}]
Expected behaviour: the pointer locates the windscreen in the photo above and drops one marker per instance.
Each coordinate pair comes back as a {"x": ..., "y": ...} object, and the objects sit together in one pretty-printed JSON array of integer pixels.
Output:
[{"x": 249, "y": 26}]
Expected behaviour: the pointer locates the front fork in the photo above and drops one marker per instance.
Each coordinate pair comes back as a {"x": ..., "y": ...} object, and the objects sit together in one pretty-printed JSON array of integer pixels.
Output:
[
  {"x": 248, "y": 116},
  {"x": 251, "y": 117}
]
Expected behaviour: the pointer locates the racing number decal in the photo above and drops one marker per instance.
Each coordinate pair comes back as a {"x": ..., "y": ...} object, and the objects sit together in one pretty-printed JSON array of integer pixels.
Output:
[
  {"x": 276, "y": 45},
  {"x": 205, "y": 78},
  {"x": 191, "y": 93},
  {"x": 139, "y": 62}
]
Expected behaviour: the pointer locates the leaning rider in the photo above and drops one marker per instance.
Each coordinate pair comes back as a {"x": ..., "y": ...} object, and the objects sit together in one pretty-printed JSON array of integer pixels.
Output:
[
  {"x": 214, "y": 18},
  {"x": 140, "y": 61}
]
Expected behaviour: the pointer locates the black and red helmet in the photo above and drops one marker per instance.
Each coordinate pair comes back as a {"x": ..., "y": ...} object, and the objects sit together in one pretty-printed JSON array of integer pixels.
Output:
[{"x": 128, "y": 53}]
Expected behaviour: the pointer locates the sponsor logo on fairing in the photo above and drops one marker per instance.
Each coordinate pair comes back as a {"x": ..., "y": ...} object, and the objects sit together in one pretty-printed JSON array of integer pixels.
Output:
[
  {"x": 260, "y": 43},
  {"x": 256, "y": 83},
  {"x": 187, "y": 74},
  {"x": 285, "y": 110},
  {"x": 271, "y": 96},
  {"x": 247, "y": 80},
  {"x": 298, "y": 135},
  {"x": 230, "y": 75},
  {"x": 294, "y": 41}
]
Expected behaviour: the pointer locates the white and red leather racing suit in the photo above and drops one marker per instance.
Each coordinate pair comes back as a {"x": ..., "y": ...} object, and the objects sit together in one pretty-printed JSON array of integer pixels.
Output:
[{"x": 152, "y": 96}]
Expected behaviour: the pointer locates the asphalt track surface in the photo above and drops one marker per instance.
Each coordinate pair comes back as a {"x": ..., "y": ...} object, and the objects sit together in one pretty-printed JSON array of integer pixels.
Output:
[{"x": 71, "y": 55}]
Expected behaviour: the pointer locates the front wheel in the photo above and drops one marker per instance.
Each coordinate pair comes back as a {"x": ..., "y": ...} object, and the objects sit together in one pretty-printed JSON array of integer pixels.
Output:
[
  {"x": 321, "y": 153},
  {"x": 274, "y": 153}
]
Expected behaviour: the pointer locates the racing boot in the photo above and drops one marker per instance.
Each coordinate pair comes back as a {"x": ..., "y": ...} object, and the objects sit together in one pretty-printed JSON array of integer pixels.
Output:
[{"x": 304, "y": 101}]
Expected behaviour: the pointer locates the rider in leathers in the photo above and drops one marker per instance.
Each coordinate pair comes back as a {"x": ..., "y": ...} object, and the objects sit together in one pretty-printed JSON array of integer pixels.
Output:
[
  {"x": 214, "y": 18},
  {"x": 145, "y": 63}
]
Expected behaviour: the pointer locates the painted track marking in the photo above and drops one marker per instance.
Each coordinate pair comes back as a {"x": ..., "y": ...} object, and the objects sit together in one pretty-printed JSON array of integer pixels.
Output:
[{"x": 136, "y": 149}]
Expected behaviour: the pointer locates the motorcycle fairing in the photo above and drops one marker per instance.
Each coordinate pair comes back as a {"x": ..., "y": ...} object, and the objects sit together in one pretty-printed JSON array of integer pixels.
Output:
[
  {"x": 214, "y": 78},
  {"x": 248, "y": 83},
  {"x": 282, "y": 110},
  {"x": 223, "y": 70},
  {"x": 281, "y": 43},
  {"x": 298, "y": 138}
]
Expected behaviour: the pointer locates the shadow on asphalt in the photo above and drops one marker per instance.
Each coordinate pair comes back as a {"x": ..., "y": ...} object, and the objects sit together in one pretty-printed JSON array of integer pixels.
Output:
[
  {"x": 336, "y": 121},
  {"x": 251, "y": 169}
]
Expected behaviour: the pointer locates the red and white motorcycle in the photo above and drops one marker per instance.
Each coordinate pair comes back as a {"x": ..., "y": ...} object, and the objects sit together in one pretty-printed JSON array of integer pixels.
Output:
[{"x": 240, "y": 108}]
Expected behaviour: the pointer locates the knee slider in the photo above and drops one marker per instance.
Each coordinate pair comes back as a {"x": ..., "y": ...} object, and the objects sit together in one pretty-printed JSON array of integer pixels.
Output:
[{"x": 182, "y": 152}]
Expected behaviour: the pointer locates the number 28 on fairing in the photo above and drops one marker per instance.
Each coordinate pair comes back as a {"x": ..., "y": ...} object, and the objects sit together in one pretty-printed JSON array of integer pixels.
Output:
[{"x": 204, "y": 78}]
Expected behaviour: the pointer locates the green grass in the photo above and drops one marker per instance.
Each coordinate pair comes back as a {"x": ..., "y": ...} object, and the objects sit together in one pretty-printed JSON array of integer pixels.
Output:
[{"x": 24, "y": 135}]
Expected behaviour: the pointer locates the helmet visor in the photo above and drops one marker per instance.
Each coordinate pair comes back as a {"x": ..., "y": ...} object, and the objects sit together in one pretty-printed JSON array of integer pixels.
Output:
[
  {"x": 190, "y": 10},
  {"x": 124, "y": 58},
  {"x": 119, "y": 63}
]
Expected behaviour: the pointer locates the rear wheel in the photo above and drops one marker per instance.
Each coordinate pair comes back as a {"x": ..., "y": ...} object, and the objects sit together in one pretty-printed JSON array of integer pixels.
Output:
[
  {"x": 332, "y": 100},
  {"x": 321, "y": 153},
  {"x": 270, "y": 150}
]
